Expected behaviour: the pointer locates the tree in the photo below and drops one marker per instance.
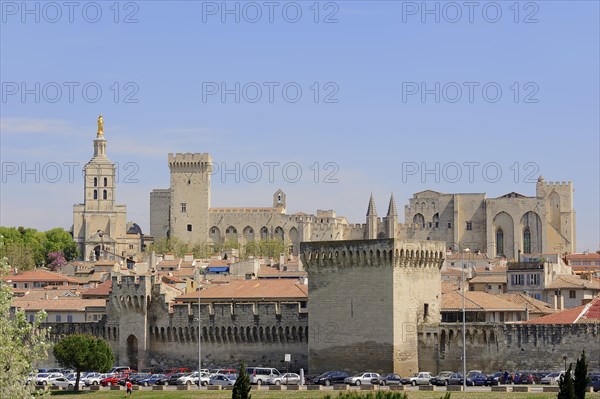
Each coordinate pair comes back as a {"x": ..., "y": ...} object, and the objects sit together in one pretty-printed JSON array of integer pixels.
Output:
[
  {"x": 565, "y": 385},
  {"x": 56, "y": 260},
  {"x": 83, "y": 352},
  {"x": 21, "y": 342},
  {"x": 581, "y": 377},
  {"x": 241, "y": 388}
]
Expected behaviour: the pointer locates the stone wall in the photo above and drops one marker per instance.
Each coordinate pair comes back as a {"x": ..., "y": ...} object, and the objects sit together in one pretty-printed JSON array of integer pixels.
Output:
[{"x": 492, "y": 347}]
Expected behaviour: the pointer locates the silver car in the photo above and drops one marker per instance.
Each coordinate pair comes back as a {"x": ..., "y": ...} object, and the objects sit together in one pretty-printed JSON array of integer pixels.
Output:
[
  {"x": 285, "y": 379},
  {"x": 361, "y": 378},
  {"x": 223, "y": 380}
]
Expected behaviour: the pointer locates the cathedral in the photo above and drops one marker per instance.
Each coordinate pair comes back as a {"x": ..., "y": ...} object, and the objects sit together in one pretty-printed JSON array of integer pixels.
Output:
[{"x": 100, "y": 226}]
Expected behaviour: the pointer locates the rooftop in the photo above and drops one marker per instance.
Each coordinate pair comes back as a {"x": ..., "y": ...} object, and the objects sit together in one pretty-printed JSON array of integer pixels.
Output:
[
  {"x": 573, "y": 281},
  {"x": 589, "y": 313},
  {"x": 477, "y": 301},
  {"x": 264, "y": 289}
]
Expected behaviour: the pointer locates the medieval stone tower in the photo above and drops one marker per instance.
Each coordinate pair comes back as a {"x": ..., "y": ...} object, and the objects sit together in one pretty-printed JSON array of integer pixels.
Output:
[
  {"x": 190, "y": 196},
  {"x": 99, "y": 225},
  {"x": 366, "y": 300}
]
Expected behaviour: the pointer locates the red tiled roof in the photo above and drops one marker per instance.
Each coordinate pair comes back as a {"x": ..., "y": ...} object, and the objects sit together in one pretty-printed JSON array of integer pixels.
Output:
[
  {"x": 103, "y": 289},
  {"x": 477, "y": 301},
  {"x": 273, "y": 271},
  {"x": 253, "y": 290},
  {"x": 580, "y": 257},
  {"x": 572, "y": 281},
  {"x": 66, "y": 304},
  {"x": 40, "y": 276},
  {"x": 589, "y": 313}
]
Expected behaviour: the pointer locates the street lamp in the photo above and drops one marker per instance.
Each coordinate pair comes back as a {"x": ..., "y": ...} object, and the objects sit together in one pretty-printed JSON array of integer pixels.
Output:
[
  {"x": 199, "y": 340},
  {"x": 464, "y": 333}
]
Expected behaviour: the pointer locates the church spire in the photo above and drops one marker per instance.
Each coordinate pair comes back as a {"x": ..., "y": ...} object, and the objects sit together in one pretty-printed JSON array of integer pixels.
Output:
[
  {"x": 371, "y": 211},
  {"x": 100, "y": 141},
  {"x": 392, "y": 211}
]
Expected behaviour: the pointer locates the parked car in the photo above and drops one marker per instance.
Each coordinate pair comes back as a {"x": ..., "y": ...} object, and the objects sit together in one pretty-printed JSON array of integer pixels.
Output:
[
  {"x": 223, "y": 380},
  {"x": 361, "y": 378},
  {"x": 476, "y": 379},
  {"x": 152, "y": 380},
  {"x": 112, "y": 380},
  {"x": 421, "y": 378},
  {"x": 388, "y": 379},
  {"x": 188, "y": 379},
  {"x": 119, "y": 369},
  {"x": 455, "y": 379},
  {"x": 91, "y": 379},
  {"x": 594, "y": 382},
  {"x": 552, "y": 378},
  {"x": 285, "y": 379},
  {"x": 260, "y": 375},
  {"x": 46, "y": 378},
  {"x": 172, "y": 380},
  {"x": 493, "y": 379},
  {"x": 441, "y": 379},
  {"x": 330, "y": 377},
  {"x": 526, "y": 377},
  {"x": 65, "y": 383}
]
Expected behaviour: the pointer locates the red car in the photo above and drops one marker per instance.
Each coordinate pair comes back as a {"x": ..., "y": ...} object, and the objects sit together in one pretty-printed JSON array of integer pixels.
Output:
[{"x": 114, "y": 380}]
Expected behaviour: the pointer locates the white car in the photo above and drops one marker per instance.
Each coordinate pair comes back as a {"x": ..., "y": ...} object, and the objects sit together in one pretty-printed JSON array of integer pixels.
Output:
[
  {"x": 65, "y": 383},
  {"x": 361, "y": 378},
  {"x": 93, "y": 378},
  {"x": 421, "y": 378},
  {"x": 552, "y": 378},
  {"x": 285, "y": 379},
  {"x": 46, "y": 378},
  {"x": 222, "y": 380}
]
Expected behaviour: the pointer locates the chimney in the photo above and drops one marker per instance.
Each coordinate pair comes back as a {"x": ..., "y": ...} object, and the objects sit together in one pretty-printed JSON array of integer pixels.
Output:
[
  {"x": 555, "y": 301},
  {"x": 169, "y": 256},
  {"x": 562, "y": 302},
  {"x": 188, "y": 257}
]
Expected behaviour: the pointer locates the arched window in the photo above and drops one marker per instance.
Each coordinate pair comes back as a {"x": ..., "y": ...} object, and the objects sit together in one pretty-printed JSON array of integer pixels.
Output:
[
  {"x": 105, "y": 182},
  {"x": 419, "y": 220},
  {"x": 527, "y": 240},
  {"x": 95, "y": 182},
  {"x": 499, "y": 242},
  {"x": 436, "y": 220},
  {"x": 104, "y": 194},
  {"x": 95, "y": 194}
]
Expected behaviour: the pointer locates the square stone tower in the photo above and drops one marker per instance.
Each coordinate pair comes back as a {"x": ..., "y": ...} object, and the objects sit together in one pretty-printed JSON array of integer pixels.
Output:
[
  {"x": 366, "y": 299},
  {"x": 190, "y": 196}
]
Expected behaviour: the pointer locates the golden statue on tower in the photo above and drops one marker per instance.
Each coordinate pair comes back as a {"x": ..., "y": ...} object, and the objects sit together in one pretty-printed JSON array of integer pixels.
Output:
[{"x": 100, "y": 126}]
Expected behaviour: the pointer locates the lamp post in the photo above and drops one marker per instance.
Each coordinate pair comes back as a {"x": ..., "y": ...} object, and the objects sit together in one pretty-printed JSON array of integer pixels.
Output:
[
  {"x": 464, "y": 324},
  {"x": 199, "y": 340}
]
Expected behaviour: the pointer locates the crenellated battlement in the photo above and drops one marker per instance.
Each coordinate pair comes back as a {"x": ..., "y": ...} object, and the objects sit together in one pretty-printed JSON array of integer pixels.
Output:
[
  {"x": 190, "y": 161},
  {"x": 380, "y": 252}
]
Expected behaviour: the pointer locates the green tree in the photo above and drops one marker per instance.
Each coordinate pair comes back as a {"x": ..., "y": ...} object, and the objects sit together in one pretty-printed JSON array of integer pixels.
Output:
[
  {"x": 241, "y": 388},
  {"x": 83, "y": 352},
  {"x": 581, "y": 376},
  {"x": 21, "y": 342},
  {"x": 60, "y": 240},
  {"x": 565, "y": 385}
]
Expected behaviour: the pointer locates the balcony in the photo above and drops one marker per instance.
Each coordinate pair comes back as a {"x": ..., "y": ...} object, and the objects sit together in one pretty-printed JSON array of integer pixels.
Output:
[{"x": 525, "y": 266}]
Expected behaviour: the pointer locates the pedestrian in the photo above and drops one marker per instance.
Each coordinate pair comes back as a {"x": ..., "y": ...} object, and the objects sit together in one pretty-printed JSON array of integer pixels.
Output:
[{"x": 128, "y": 385}]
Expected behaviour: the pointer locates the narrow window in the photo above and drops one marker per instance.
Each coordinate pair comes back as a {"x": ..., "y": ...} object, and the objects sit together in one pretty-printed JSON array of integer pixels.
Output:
[
  {"x": 183, "y": 207},
  {"x": 105, "y": 182},
  {"x": 104, "y": 194},
  {"x": 95, "y": 194},
  {"x": 95, "y": 182},
  {"x": 469, "y": 226},
  {"x": 189, "y": 227}
]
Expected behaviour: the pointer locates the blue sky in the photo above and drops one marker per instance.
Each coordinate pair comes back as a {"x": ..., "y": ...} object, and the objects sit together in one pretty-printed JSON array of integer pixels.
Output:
[{"x": 369, "y": 125}]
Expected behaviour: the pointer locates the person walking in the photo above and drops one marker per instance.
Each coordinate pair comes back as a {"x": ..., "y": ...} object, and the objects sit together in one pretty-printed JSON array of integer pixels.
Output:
[{"x": 128, "y": 385}]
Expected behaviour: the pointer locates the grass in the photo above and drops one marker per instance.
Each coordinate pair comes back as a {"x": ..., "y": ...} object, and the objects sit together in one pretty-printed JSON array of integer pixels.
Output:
[{"x": 296, "y": 395}]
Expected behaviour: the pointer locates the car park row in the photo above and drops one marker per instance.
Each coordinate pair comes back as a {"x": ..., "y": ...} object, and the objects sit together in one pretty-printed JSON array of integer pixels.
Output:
[{"x": 66, "y": 379}]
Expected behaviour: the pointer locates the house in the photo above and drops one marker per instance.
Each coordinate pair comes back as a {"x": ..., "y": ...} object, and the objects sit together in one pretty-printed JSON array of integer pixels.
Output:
[
  {"x": 532, "y": 274},
  {"x": 39, "y": 279},
  {"x": 480, "y": 307},
  {"x": 490, "y": 283},
  {"x": 102, "y": 291},
  {"x": 535, "y": 308},
  {"x": 585, "y": 262},
  {"x": 62, "y": 310},
  {"x": 569, "y": 291}
]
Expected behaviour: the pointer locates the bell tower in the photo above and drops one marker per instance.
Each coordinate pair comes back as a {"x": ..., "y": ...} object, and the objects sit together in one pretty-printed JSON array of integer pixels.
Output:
[{"x": 100, "y": 175}]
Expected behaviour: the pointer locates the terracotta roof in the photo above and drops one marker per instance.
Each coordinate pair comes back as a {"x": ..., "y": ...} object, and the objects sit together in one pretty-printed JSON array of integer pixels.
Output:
[
  {"x": 488, "y": 279},
  {"x": 477, "y": 301},
  {"x": 187, "y": 272},
  {"x": 40, "y": 276},
  {"x": 572, "y": 281},
  {"x": 103, "y": 289},
  {"x": 66, "y": 304},
  {"x": 533, "y": 305},
  {"x": 105, "y": 262},
  {"x": 172, "y": 279},
  {"x": 43, "y": 293},
  {"x": 253, "y": 290},
  {"x": 589, "y": 313},
  {"x": 448, "y": 286},
  {"x": 494, "y": 269},
  {"x": 273, "y": 271},
  {"x": 583, "y": 257},
  {"x": 219, "y": 263},
  {"x": 169, "y": 263}
]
